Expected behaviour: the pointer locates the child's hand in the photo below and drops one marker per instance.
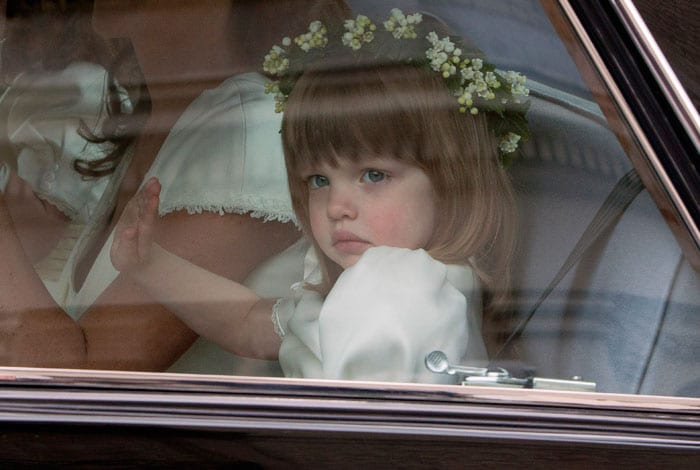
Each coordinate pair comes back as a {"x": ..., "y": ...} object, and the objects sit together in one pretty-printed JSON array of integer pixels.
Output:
[{"x": 133, "y": 235}]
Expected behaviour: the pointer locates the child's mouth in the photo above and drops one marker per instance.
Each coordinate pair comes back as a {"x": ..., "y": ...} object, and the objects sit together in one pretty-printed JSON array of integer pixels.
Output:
[{"x": 347, "y": 242}]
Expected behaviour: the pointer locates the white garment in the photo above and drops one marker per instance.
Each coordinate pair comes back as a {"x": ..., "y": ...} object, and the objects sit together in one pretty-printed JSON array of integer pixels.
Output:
[
  {"x": 381, "y": 318},
  {"x": 224, "y": 155},
  {"x": 42, "y": 114}
]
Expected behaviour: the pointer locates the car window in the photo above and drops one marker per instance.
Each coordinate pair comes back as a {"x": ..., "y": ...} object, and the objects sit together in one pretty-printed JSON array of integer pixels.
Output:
[{"x": 571, "y": 267}]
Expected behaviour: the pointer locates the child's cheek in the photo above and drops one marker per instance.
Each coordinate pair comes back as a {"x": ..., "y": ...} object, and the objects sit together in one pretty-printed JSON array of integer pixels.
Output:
[{"x": 389, "y": 227}]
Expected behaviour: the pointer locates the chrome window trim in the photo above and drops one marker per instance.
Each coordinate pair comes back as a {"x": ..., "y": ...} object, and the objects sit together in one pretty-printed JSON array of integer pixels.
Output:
[
  {"x": 624, "y": 109},
  {"x": 660, "y": 68},
  {"x": 221, "y": 403}
]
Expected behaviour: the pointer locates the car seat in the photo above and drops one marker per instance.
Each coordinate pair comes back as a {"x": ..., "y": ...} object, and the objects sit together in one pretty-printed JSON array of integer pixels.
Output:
[{"x": 626, "y": 316}]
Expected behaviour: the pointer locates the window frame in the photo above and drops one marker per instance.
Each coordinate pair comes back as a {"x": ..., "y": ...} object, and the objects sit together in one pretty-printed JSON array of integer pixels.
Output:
[
  {"x": 65, "y": 401},
  {"x": 644, "y": 103}
]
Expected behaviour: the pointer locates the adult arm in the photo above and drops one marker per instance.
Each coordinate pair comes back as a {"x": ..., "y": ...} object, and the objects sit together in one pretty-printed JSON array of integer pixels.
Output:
[
  {"x": 24, "y": 301},
  {"x": 125, "y": 328},
  {"x": 38, "y": 224}
]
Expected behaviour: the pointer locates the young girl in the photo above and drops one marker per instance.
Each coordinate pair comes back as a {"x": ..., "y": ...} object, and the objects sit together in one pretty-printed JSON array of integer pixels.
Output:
[{"x": 396, "y": 175}]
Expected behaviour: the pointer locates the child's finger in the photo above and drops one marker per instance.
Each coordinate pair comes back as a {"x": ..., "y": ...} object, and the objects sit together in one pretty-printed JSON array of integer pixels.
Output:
[
  {"x": 153, "y": 186},
  {"x": 140, "y": 202},
  {"x": 144, "y": 197},
  {"x": 123, "y": 252},
  {"x": 130, "y": 214}
]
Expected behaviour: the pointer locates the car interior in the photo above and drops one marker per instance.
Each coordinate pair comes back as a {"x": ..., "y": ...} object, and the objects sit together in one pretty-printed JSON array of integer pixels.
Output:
[
  {"x": 604, "y": 295},
  {"x": 625, "y": 316}
]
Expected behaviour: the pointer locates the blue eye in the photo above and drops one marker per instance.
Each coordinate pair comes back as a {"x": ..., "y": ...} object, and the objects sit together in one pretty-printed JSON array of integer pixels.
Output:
[
  {"x": 318, "y": 181},
  {"x": 373, "y": 176}
]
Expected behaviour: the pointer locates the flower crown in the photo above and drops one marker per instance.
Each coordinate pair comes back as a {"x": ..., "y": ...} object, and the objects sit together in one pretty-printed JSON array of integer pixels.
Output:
[{"x": 476, "y": 84}]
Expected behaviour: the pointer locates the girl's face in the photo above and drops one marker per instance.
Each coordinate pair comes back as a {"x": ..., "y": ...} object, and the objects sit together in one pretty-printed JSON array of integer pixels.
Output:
[{"x": 370, "y": 202}]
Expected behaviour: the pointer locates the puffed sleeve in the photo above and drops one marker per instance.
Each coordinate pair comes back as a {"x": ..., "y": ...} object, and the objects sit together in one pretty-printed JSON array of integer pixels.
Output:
[
  {"x": 45, "y": 113},
  {"x": 225, "y": 155},
  {"x": 389, "y": 310}
]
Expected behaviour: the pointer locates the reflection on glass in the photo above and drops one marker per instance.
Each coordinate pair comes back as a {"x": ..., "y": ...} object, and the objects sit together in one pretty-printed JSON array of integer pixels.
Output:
[{"x": 432, "y": 215}]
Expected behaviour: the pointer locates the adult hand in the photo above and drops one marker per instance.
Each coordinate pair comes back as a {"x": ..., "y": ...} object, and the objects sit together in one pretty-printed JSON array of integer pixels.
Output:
[{"x": 133, "y": 235}]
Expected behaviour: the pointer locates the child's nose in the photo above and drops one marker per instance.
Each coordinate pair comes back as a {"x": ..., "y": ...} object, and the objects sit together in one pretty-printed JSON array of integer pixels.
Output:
[{"x": 341, "y": 203}]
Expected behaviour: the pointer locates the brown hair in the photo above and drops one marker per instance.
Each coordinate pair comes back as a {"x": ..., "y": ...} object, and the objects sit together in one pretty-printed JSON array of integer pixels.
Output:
[
  {"x": 46, "y": 35},
  {"x": 407, "y": 112}
]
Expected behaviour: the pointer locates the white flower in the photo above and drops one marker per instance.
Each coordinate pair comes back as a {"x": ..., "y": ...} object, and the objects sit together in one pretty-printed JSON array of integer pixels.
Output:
[
  {"x": 315, "y": 38},
  {"x": 315, "y": 26},
  {"x": 438, "y": 60},
  {"x": 402, "y": 26},
  {"x": 509, "y": 143},
  {"x": 359, "y": 31},
  {"x": 276, "y": 61},
  {"x": 482, "y": 89},
  {"x": 492, "y": 80},
  {"x": 442, "y": 51},
  {"x": 517, "y": 85},
  {"x": 467, "y": 73},
  {"x": 465, "y": 97},
  {"x": 415, "y": 18},
  {"x": 280, "y": 98}
]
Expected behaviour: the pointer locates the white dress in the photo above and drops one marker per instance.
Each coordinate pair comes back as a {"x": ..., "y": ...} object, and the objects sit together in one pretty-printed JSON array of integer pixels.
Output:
[
  {"x": 223, "y": 155},
  {"x": 381, "y": 318},
  {"x": 42, "y": 114}
]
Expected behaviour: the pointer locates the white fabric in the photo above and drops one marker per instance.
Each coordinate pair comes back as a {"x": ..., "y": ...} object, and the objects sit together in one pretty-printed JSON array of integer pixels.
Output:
[
  {"x": 223, "y": 155},
  {"x": 43, "y": 114},
  {"x": 380, "y": 320}
]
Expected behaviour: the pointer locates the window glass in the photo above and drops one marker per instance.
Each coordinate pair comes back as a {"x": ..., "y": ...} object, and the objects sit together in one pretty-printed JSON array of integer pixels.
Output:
[{"x": 146, "y": 199}]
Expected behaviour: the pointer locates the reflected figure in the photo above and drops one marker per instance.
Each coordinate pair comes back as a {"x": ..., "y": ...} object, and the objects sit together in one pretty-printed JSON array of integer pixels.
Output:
[
  {"x": 209, "y": 137},
  {"x": 57, "y": 96}
]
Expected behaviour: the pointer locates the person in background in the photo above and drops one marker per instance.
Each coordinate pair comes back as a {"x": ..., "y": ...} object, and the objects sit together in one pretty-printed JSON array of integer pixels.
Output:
[
  {"x": 212, "y": 139},
  {"x": 56, "y": 100}
]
